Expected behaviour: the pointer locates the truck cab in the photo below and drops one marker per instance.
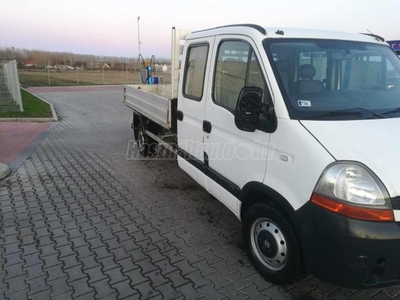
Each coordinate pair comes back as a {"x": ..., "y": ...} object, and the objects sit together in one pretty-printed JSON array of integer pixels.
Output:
[
  {"x": 287, "y": 128},
  {"x": 296, "y": 132}
]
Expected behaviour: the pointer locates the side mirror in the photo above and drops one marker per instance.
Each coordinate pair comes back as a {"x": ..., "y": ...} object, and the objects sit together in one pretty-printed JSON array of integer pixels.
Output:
[{"x": 248, "y": 108}]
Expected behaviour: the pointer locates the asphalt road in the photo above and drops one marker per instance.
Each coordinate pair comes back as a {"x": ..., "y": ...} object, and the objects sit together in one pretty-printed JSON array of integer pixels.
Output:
[{"x": 83, "y": 218}]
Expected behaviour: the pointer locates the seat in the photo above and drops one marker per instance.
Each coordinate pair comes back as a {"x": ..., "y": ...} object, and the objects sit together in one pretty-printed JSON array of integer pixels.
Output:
[{"x": 307, "y": 85}]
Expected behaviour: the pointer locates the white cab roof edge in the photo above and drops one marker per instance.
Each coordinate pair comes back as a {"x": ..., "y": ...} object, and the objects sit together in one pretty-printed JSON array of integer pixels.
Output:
[{"x": 271, "y": 32}]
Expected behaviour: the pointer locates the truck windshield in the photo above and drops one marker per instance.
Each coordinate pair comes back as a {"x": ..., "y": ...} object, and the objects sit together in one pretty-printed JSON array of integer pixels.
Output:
[{"x": 334, "y": 79}]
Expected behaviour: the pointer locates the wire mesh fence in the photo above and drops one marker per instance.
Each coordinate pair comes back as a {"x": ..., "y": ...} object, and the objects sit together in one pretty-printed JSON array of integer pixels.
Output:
[
  {"x": 57, "y": 77},
  {"x": 10, "y": 92}
]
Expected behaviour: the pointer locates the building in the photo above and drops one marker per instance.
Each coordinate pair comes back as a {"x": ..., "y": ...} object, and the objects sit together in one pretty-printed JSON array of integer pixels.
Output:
[{"x": 30, "y": 63}]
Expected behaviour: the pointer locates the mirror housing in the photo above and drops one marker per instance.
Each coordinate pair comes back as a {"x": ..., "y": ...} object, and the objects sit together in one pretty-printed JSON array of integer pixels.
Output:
[{"x": 248, "y": 108}]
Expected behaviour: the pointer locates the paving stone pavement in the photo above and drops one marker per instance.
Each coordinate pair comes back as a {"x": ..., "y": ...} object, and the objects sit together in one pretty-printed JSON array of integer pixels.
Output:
[{"x": 80, "y": 221}]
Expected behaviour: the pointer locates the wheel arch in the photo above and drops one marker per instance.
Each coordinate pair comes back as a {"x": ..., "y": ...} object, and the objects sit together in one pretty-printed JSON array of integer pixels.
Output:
[{"x": 257, "y": 192}]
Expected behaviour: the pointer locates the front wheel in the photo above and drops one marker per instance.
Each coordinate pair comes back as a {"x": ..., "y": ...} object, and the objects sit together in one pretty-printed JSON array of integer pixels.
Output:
[{"x": 272, "y": 245}]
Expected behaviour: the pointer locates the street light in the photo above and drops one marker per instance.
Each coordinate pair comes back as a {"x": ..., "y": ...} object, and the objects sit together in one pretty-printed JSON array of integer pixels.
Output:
[{"x": 138, "y": 34}]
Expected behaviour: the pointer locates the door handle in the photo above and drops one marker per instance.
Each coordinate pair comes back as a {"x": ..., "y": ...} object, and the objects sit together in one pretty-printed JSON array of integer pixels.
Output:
[
  {"x": 207, "y": 126},
  {"x": 180, "y": 115}
]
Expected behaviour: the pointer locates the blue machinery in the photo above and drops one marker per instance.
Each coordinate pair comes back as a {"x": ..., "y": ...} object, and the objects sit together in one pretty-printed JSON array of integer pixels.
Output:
[
  {"x": 146, "y": 72},
  {"x": 395, "y": 45}
]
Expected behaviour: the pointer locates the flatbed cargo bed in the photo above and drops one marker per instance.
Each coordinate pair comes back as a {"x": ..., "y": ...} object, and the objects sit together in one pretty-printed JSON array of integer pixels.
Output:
[{"x": 152, "y": 101}]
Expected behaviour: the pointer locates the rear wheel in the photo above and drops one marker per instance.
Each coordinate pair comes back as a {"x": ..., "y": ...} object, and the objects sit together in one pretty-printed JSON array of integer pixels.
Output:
[
  {"x": 145, "y": 144},
  {"x": 271, "y": 244},
  {"x": 143, "y": 141}
]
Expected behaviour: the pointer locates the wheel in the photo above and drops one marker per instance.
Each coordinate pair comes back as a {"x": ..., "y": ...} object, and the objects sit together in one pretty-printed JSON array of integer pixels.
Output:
[
  {"x": 142, "y": 141},
  {"x": 272, "y": 245},
  {"x": 146, "y": 145}
]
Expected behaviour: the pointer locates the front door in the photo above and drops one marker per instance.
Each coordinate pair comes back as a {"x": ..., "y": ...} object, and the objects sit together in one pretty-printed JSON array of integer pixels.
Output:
[{"x": 234, "y": 157}]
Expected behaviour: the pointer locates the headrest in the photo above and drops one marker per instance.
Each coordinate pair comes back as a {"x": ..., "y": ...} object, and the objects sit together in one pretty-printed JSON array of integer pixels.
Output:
[{"x": 307, "y": 71}]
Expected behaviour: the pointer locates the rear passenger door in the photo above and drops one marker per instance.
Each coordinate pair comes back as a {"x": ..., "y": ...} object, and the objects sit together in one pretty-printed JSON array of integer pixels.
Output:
[
  {"x": 234, "y": 157},
  {"x": 192, "y": 97}
]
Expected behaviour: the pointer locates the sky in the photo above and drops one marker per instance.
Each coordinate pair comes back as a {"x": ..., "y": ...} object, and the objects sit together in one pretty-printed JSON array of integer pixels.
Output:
[{"x": 110, "y": 27}]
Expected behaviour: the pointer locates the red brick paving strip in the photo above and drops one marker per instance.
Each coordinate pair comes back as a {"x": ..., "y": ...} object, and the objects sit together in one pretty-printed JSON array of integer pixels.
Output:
[{"x": 15, "y": 137}]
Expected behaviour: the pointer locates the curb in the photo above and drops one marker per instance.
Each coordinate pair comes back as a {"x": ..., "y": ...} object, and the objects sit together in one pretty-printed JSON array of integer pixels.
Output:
[
  {"x": 47, "y": 119},
  {"x": 27, "y": 119},
  {"x": 4, "y": 171}
]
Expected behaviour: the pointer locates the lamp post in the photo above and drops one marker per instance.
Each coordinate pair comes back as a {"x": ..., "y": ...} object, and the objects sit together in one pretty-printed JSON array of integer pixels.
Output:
[{"x": 138, "y": 34}]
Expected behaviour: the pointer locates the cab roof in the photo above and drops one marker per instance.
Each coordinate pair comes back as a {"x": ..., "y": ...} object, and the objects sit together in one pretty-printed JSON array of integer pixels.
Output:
[{"x": 258, "y": 32}]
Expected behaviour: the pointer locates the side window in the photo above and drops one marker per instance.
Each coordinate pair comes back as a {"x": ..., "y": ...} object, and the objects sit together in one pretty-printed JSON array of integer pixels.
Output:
[
  {"x": 255, "y": 77},
  {"x": 194, "y": 71},
  {"x": 236, "y": 67}
]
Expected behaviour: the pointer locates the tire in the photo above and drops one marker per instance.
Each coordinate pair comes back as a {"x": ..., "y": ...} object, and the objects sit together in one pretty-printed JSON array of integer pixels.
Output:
[
  {"x": 146, "y": 145},
  {"x": 272, "y": 244},
  {"x": 143, "y": 141}
]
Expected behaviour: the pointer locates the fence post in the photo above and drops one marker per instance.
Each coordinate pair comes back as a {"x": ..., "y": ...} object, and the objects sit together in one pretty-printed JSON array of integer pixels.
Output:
[
  {"x": 11, "y": 81},
  {"x": 17, "y": 87},
  {"x": 48, "y": 75}
]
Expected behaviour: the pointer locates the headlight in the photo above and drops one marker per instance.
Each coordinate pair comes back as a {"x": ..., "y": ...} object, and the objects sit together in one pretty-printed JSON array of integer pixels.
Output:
[{"x": 353, "y": 182}]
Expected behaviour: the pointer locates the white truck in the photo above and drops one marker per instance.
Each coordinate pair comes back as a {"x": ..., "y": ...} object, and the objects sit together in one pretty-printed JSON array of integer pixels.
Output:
[{"x": 297, "y": 132}]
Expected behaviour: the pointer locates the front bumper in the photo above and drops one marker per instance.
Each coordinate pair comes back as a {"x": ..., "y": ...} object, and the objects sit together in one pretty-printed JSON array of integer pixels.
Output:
[{"x": 348, "y": 252}]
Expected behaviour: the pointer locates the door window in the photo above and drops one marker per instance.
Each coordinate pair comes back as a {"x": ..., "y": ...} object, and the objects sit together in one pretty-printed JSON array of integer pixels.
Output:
[
  {"x": 236, "y": 67},
  {"x": 194, "y": 71}
]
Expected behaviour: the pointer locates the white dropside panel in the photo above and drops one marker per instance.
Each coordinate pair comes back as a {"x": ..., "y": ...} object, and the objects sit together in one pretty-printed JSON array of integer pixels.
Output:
[{"x": 147, "y": 101}]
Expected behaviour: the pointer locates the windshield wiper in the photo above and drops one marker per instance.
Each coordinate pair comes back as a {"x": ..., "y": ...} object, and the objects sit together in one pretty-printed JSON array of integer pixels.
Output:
[
  {"x": 393, "y": 111},
  {"x": 356, "y": 111}
]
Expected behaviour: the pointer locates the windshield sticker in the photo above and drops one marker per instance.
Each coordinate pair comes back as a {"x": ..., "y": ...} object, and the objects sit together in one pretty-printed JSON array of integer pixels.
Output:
[{"x": 304, "y": 103}]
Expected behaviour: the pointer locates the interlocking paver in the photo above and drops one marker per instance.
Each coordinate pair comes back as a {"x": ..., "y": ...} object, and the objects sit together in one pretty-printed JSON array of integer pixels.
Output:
[
  {"x": 124, "y": 289},
  {"x": 253, "y": 292},
  {"x": 156, "y": 278},
  {"x": 59, "y": 286},
  {"x": 197, "y": 279},
  {"x": 37, "y": 285},
  {"x": 44, "y": 295},
  {"x": 20, "y": 294},
  {"x": 95, "y": 274},
  {"x": 81, "y": 287},
  {"x": 35, "y": 271},
  {"x": 146, "y": 290},
  {"x": 63, "y": 296},
  {"x": 136, "y": 277},
  {"x": 15, "y": 270},
  {"x": 211, "y": 292},
  {"x": 167, "y": 291},
  {"x": 89, "y": 262}
]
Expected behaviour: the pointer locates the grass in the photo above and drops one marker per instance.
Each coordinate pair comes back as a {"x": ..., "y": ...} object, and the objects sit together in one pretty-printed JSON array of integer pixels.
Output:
[
  {"x": 33, "y": 108},
  {"x": 29, "y": 78}
]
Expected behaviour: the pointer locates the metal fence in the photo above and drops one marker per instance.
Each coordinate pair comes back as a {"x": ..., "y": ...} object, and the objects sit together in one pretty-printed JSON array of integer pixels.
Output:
[{"x": 10, "y": 90}]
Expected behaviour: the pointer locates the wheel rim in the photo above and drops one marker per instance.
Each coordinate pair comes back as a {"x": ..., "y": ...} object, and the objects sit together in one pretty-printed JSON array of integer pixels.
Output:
[
  {"x": 269, "y": 244},
  {"x": 141, "y": 141}
]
